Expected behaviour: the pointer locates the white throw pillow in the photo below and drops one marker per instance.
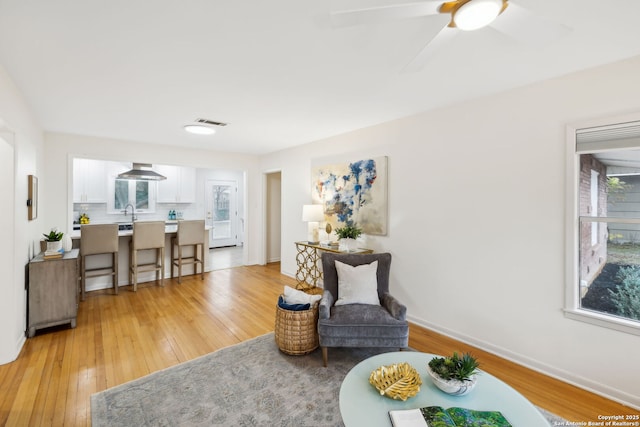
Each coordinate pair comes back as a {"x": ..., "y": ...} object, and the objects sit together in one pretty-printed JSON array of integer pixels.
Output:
[
  {"x": 357, "y": 285},
  {"x": 294, "y": 296}
]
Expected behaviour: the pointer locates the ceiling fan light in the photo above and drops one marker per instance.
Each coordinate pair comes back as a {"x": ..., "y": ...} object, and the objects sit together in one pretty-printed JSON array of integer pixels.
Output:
[
  {"x": 476, "y": 14},
  {"x": 199, "y": 129}
]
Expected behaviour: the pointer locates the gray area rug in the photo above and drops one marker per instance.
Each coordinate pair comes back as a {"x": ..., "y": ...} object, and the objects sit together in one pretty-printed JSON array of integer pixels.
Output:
[{"x": 248, "y": 384}]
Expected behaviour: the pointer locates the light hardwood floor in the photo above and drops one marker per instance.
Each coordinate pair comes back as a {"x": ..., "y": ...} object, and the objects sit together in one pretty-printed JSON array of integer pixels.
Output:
[{"x": 120, "y": 338}]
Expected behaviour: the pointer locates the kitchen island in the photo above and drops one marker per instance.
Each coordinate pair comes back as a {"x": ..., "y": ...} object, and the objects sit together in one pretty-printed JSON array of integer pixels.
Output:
[{"x": 103, "y": 282}]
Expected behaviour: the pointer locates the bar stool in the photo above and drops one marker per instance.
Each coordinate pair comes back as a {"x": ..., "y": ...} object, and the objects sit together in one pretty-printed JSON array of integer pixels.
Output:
[
  {"x": 98, "y": 239},
  {"x": 190, "y": 233},
  {"x": 146, "y": 235}
]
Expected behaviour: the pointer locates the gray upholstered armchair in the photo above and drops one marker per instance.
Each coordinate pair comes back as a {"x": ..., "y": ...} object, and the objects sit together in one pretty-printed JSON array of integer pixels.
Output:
[{"x": 360, "y": 325}]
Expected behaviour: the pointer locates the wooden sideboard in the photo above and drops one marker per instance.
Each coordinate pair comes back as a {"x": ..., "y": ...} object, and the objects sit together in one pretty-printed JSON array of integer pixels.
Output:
[{"x": 52, "y": 292}]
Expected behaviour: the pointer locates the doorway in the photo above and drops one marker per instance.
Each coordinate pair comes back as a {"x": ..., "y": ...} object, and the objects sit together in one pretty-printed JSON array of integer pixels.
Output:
[
  {"x": 273, "y": 214},
  {"x": 222, "y": 213}
]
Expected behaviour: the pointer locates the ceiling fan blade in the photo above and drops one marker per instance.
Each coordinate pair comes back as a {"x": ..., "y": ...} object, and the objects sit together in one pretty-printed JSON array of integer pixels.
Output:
[
  {"x": 427, "y": 53},
  {"x": 527, "y": 27},
  {"x": 377, "y": 15}
]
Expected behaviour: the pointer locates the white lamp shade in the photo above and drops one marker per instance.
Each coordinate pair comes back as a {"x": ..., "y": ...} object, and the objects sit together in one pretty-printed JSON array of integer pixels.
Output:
[
  {"x": 312, "y": 213},
  {"x": 476, "y": 14}
]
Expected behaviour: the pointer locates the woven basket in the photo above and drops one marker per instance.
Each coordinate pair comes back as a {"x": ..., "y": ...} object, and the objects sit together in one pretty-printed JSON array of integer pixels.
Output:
[{"x": 296, "y": 332}]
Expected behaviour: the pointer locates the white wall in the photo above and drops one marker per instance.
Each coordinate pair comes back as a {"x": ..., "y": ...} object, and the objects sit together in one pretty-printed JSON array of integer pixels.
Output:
[
  {"x": 20, "y": 131},
  {"x": 476, "y": 221},
  {"x": 60, "y": 148}
]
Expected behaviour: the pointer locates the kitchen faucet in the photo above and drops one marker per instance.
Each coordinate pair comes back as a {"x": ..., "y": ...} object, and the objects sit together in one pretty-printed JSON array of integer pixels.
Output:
[{"x": 133, "y": 211}]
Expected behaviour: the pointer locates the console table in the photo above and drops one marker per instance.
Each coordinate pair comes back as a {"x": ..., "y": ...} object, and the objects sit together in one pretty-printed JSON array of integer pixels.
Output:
[
  {"x": 53, "y": 291},
  {"x": 308, "y": 259},
  {"x": 362, "y": 405}
]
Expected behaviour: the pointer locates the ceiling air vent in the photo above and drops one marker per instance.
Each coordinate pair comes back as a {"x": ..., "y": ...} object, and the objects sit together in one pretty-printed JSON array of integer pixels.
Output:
[{"x": 210, "y": 122}]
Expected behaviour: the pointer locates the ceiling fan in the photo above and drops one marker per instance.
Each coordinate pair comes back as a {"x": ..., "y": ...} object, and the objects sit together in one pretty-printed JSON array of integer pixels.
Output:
[{"x": 459, "y": 15}]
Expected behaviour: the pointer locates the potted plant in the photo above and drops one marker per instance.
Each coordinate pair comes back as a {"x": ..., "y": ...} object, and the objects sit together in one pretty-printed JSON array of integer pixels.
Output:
[
  {"x": 54, "y": 240},
  {"x": 455, "y": 375},
  {"x": 348, "y": 235}
]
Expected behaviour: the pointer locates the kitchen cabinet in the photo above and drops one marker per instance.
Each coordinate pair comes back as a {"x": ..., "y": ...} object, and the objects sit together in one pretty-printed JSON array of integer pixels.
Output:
[
  {"x": 180, "y": 185},
  {"x": 52, "y": 291},
  {"x": 89, "y": 181}
]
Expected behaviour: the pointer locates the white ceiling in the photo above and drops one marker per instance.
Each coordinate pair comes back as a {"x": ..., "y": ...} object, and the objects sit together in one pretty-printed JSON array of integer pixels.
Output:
[{"x": 276, "y": 71}]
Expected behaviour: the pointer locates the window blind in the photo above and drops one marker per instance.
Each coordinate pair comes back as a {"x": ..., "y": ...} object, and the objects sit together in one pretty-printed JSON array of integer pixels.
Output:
[{"x": 620, "y": 135}]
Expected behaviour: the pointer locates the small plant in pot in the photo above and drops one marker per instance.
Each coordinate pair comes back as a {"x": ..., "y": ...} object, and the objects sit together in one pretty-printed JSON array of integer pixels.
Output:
[
  {"x": 455, "y": 375},
  {"x": 54, "y": 240},
  {"x": 348, "y": 235}
]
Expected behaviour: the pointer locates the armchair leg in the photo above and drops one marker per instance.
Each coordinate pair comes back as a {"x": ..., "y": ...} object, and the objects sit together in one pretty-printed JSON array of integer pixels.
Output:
[{"x": 325, "y": 356}]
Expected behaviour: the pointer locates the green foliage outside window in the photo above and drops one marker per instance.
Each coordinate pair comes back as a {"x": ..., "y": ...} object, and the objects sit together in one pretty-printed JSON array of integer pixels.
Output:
[
  {"x": 616, "y": 189},
  {"x": 626, "y": 297}
]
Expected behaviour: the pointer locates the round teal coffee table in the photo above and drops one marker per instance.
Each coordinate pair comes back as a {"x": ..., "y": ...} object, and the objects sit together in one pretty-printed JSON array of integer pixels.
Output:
[{"x": 362, "y": 405}]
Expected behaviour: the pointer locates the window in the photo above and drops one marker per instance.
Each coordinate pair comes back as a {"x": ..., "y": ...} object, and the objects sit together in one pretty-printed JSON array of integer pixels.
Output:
[
  {"x": 140, "y": 194},
  {"x": 603, "y": 278},
  {"x": 221, "y": 213}
]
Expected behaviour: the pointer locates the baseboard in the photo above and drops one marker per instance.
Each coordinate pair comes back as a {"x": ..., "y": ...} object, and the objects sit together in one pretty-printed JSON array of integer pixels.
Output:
[
  {"x": 289, "y": 274},
  {"x": 559, "y": 374},
  {"x": 22, "y": 339},
  {"x": 13, "y": 353}
]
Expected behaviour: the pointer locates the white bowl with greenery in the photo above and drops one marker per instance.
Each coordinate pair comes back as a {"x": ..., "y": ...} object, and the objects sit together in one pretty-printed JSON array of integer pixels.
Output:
[
  {"x": 455, "y": 375},
  {"x": 348, "y": 235}
]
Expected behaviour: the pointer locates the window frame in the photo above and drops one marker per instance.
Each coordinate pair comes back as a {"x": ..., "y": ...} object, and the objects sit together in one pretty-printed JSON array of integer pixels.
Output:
[
  {"x": 572, "y": 309},
  {"x": 111, "y": 210}
]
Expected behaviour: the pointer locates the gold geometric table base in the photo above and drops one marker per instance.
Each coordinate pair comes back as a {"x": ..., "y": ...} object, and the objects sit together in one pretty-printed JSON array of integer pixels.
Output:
[{"x": 308, "y": 258}]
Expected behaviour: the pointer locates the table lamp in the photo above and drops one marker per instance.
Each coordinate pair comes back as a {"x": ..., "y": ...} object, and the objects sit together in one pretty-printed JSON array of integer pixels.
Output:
[{"x": 313, "y": 214}]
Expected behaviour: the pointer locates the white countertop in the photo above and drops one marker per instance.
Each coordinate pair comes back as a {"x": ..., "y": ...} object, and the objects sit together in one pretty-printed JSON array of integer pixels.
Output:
[{"x": 170, "y": 227}]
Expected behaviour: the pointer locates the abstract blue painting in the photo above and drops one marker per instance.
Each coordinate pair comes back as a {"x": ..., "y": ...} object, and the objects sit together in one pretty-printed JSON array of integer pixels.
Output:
[{"x": 353, "y": 193}]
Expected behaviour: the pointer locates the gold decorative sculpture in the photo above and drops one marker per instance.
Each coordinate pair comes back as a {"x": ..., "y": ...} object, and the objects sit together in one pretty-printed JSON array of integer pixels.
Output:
[{"x": 398, "y": 381}]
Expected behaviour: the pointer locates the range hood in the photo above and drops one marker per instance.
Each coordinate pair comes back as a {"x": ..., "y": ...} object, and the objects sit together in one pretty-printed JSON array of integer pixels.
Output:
[{"x": 141, "y": 172}]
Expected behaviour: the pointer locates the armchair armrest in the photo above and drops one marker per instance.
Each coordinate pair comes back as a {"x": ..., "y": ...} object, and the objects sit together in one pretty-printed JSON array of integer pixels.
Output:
[
  {"x": 324, "y": 310},
  {"x": 393, "y": 306}
]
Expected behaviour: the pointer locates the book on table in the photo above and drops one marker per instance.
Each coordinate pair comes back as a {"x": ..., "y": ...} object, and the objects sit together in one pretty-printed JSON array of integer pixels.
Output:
[
  {"x": 53, "y": 254},
  {"x": 437, "y": 416}
]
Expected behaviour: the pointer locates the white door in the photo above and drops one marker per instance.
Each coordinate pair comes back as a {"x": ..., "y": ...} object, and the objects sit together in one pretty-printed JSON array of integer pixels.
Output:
[{"x": 222, "y": 213}]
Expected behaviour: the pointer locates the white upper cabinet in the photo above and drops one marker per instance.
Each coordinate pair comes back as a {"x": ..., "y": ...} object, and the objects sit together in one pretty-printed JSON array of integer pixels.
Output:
[
  {"x": 180, "y": 185},
  {"x": 89, "y": 181}
]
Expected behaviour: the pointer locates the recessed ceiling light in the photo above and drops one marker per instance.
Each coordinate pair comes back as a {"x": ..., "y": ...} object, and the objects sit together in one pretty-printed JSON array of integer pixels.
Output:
[
  {"x": 200, "y": 129},
  {"x": 203, "y": 127},
  {"x": 476, "y": 14}
]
